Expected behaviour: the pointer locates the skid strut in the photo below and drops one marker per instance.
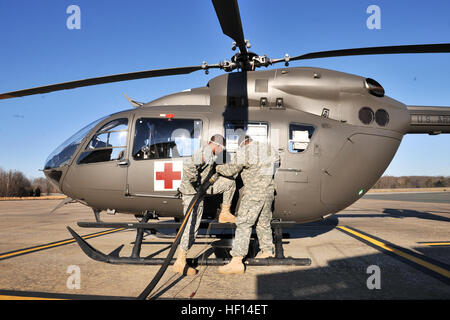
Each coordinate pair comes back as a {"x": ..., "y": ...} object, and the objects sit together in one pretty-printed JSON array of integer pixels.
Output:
[{"x": 140, "y": 227}]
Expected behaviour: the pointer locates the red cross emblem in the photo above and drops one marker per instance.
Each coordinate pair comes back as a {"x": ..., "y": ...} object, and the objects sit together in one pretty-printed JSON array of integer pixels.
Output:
[{"x": 168, "y": 175}]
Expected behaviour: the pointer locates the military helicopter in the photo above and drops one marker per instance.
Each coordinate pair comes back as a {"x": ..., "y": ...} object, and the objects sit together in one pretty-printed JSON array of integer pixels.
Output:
[{"x": 336, "y": 133}]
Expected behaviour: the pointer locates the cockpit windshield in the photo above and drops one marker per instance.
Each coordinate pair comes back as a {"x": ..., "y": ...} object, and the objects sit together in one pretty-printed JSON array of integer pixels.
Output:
[{"x": 65, "y": 151}]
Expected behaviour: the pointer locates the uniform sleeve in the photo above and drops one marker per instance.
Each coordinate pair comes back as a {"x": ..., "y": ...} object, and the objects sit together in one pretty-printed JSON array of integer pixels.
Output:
[
  {"x": 229, "y": 169},
  {"x": 189, "y": 171},
  {"x": 233, "y": 168}
]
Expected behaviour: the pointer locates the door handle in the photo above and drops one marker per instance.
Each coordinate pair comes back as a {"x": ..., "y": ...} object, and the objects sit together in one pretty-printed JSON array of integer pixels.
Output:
[{"x": 124, "y": 163}]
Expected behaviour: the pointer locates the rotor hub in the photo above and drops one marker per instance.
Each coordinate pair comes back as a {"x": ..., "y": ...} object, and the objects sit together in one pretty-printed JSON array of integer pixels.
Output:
[{"x": 247, "y": 61}]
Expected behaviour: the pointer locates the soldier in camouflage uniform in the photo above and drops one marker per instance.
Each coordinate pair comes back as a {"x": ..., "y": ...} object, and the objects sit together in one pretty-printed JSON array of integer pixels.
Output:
[
  {"x": 195, "y": 170},
  {"x": 256, "y": 164}
]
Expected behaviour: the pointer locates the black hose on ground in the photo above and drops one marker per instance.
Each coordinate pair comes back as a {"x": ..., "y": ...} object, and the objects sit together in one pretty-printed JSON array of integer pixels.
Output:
[{"x": 210, "y": 179}]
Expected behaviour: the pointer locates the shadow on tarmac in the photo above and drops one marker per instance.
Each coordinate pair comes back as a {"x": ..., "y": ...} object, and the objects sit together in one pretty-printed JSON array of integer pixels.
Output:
[
  {"x": 396, "y": 213},
  {"x": 347, "y": 279}
]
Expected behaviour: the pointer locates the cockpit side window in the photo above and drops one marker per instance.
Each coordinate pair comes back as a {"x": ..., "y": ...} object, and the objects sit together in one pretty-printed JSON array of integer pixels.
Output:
[
  {"x": 108, "y": 144},
  {"x": 65, "y": 151},
  {"x": 162, "y": 138},
  {"x": 300, "y": 136}
]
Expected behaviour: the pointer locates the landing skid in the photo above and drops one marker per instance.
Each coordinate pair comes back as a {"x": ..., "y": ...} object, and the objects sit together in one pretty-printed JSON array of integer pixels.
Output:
[{"x": 143, "y": 225}]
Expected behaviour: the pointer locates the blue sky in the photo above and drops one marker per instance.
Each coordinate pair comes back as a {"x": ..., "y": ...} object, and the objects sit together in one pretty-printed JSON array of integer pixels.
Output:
[{"x": 124, "y": 36}]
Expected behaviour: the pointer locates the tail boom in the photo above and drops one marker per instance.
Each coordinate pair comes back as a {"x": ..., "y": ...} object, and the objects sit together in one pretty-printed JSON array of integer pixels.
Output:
[{"x": 431, "y": 120}]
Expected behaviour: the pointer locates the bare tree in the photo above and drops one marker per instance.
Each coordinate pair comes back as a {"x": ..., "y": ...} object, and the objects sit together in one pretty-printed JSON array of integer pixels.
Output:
[
  {"x": 16, "y": 184},
  {"x": 390, "y": 182}
]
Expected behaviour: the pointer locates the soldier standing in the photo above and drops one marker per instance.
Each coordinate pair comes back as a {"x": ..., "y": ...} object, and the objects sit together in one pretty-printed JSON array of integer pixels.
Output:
[
  {"x": 256, "y": 165},
  {"x": 195, "y": 170}
]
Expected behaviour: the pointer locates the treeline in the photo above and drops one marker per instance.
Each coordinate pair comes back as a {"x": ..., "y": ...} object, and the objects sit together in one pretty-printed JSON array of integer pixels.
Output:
[
  {"x": 390, "y": 182},
  {"x": 15, "y": 184}
]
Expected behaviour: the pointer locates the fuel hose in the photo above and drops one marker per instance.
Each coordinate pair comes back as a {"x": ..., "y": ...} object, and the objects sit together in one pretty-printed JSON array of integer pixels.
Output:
[{"x": 209, "y": 180}]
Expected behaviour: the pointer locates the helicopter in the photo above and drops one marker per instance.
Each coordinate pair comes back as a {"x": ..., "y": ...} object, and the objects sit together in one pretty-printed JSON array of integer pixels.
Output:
[{"x": 336, "y": 133}]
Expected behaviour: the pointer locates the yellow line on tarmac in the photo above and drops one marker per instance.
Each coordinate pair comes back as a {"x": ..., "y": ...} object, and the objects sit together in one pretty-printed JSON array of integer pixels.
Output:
[
  {"x": 435, "y": 243},
  {"x": 423, "y": 263},
  {"x": 9, "y": 298},
  {"x": 15, "y": 253}
]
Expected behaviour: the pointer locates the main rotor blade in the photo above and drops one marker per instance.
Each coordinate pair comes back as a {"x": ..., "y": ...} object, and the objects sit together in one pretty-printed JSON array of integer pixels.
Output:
[
  {"x": 421, "y": 48},
  {"x": 230, "y": 21},
  {"x": 101, "y": 80}
]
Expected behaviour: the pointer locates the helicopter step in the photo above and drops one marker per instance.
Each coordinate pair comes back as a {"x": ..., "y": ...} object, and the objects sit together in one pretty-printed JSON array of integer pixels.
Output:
[{"x": 221, "y": 259}]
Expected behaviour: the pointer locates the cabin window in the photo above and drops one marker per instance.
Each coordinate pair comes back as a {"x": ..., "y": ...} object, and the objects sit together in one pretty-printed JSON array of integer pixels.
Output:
[
  {"x": 300, "y": 136},
  {"x": 165, "y": 138},
  {"x": 258, "y": 131},
  {"x": 108, "y": 144}
]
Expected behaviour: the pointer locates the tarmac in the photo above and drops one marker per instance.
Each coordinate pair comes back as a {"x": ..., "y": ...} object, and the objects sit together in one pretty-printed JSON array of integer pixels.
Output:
[{"x": 384, "y": 246}]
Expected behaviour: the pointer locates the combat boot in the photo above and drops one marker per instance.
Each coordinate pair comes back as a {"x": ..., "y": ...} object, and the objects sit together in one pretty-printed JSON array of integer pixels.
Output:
[
  {"x": 180, "y": 266},
  {"x": 234, "y": 267},
  {"x": 225, "y": 215},
  {"x": 264, "y": 254}
]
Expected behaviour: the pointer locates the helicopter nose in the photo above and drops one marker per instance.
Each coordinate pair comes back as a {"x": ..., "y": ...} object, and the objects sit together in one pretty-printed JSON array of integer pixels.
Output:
[{"x": 54, "y": 177}]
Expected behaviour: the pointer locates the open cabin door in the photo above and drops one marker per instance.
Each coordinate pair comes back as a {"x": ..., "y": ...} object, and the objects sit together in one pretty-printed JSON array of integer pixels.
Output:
[{"x": 257, "y": 130}]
